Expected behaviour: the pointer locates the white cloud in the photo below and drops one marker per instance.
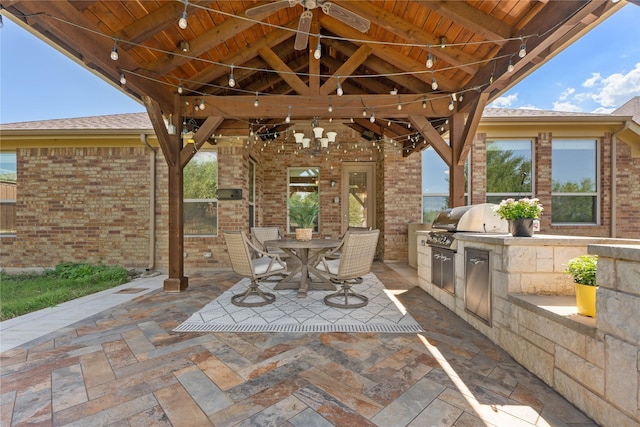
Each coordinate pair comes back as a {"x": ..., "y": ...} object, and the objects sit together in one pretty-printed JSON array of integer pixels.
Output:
[
  {"x": 567, "y": 92},
  {"x": 591, "y": 82},
  {"x": 602, "y": 110},
  {"x": 529, "y": 107},
  {"x": 566, "y": 106},
  {"x": 504, "y": 101},
  {"x": 618, "y": 88}
]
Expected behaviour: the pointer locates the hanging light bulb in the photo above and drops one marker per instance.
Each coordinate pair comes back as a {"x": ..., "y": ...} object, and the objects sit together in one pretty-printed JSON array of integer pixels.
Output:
[
  {"x": 454, "y": 96},
  {"x": 510, "y": 66},
  {"x": 182, "y": 22},
  {"x": 256, "y": 103},
  {"x": 180, "y": 87},
  {"x": 523, "y": 49},
  {"x": 451, "y": 105},
  {"x": 114, "y": 50},
  {"x": 288, "y": 118},
  {"x": 434, "y": 83},
  {"x": 202, "y": 104},
  {"x": 232, "y": 80},
  {"x": 424, "y": 102},
  {"x": 330, "y": 108},
  {"x": 372, "y": 119},
  {"x": 317, "y": 54},
  {"x": 399, "y": 104},
  {"x": 339, "y": 90},
  {"x": 123, "y": 79},
  {"x": 364, "y": 112}
]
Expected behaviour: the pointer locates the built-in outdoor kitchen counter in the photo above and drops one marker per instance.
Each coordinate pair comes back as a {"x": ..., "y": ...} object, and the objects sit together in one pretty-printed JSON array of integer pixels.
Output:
[{"x": 498, "y": 282}]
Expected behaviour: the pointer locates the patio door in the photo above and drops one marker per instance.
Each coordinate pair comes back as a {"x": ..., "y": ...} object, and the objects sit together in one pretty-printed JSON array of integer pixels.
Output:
[{"x": 358, "y": 195}]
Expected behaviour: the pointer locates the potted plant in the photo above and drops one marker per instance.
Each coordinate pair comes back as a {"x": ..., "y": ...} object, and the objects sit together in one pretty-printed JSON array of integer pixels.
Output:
[
  {"x": 303, "y": 213},
  {"x": 583, "y": 271},
  {"x": 520, "y": 215}
]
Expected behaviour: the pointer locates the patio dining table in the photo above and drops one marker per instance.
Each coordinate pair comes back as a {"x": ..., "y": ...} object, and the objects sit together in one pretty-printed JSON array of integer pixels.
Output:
[{"x": 306, "y": 253}]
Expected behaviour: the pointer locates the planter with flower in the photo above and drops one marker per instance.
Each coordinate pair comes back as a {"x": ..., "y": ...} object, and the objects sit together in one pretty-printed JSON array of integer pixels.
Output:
[
  {"x": 583, "y": 271},
  {"x": 520, "y": 215}
]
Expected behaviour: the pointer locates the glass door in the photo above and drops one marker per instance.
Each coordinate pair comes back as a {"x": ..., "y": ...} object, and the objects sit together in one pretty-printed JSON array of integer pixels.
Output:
[{"x": 358, "y": 195}]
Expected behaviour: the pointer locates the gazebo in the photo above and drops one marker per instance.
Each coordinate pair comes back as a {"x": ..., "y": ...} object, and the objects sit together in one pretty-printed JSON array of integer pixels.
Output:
[{"x": 204, "y": 69}]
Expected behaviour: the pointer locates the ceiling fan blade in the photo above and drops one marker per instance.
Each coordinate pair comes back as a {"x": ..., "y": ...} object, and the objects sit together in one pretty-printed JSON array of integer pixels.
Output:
[
  {"x": 302, "y": 36},
  {"x": 266, "y": 9},
  {"x": 341, "y": 14}
]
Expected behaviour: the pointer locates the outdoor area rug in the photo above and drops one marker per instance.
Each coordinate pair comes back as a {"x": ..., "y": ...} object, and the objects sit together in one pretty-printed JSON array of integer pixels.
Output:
[{"x": 292, "y": 314}]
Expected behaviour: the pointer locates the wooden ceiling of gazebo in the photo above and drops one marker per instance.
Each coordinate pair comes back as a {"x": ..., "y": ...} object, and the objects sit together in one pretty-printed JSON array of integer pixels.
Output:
[{"x": 376, "y": 52}]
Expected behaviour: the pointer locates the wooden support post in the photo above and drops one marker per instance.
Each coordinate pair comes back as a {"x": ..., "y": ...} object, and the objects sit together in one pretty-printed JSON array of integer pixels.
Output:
[
  {"x": 176, "y": 282},
  {"x": 456, "y": 170}
]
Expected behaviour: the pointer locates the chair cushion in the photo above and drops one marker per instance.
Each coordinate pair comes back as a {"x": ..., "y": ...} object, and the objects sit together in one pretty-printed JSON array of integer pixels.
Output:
[
  {"x": 261, "y": 265},
  {"x": 332, "y": 265}
]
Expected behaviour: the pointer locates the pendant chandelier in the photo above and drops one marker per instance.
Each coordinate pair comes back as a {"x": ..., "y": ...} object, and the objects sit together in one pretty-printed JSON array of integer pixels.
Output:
[{"x": 317, "y": 137}]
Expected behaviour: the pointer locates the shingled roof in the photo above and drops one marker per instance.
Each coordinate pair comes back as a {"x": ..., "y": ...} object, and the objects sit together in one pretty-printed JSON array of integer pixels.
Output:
[{"x": 130, "y": 121}]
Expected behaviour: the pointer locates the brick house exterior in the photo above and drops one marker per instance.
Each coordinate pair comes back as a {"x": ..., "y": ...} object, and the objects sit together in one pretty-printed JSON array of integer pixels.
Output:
[{"x": 95, "y": 189}]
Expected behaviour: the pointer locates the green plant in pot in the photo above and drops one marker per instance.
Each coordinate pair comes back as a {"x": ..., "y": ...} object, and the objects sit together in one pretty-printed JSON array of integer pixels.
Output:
[
  {"x": 583, "y": 271},
  {"x": 303, "y": 213},
  {"x": 520, "y": 214}
]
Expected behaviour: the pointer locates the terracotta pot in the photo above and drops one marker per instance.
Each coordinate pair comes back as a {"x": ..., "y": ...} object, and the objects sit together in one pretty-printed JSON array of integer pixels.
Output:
[
  {"x": 304, "y": 234},
  {"x": 521, "y": 227}
]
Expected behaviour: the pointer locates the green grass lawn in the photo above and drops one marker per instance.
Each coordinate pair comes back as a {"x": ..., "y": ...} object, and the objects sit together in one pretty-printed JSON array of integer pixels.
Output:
[{"x": 24, "y": 293}]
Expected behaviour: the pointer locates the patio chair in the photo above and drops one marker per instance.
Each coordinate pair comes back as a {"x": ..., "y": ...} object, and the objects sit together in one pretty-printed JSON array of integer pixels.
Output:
[
  {"x": 358, "y": 249},
  {"x": 256, "y": 269},
  {"x": 259, "y": 235},
  {"x": 335, "y": 254}
]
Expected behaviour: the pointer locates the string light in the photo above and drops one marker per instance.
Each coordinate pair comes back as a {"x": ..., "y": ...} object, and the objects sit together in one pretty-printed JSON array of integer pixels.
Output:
[
  {"x": 424, "y": 102},
  {"x": 429, "y": 63},
  {"x": 454, "y": 96},
  {"x": 434, "y": 83},
  {"x": 372, "y": 119},
  {"x": 232, "y": 80},
  {"x": 339, "y": 90},
  {"x": 256, "y": 103},
  {"x": 114, "y": 50},
  {"x": 399, "y": 104},
  {"x": 317, "y": 54},
  {"x": 182, "y": 22},
  {"x": 523, "y": 49},
  {"x": 364, "y": 112},
  {"x": 123, "y": 79},
  {"x": 288, "y": 119},
  {"x": 180, "y": 87},
  {"x": 451, "y": 105},
  {"x": 202, "y": 104},
  {"x": 510, "y": 66},
  {"x": 330, "y": 107}
]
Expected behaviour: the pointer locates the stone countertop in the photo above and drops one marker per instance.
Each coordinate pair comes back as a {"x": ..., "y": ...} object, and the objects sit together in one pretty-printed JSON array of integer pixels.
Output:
[{"x": 539, "y": 239}]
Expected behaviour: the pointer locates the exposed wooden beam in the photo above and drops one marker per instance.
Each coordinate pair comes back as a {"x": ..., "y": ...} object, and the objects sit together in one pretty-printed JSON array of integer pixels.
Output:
[
  {"x": 382, "y": 67},
  {"x": 151, "y": 24},
  {"x": 389, "y": 54},
  {"x": 243, "y": 55},
  {"x": 276, "y": 106},
  {"x": 401, "y": 28},
  {"x": 431, "y": 135},
  {"x": 169, "y": 144},
  {"x": 202, "y": 135},
  {"x": 201, "y": 44},
  {"x": 474, "y": 20},
  {"x": 346, "y": 69},
  {"x": 283, "y": 71},
  {"x": 470, "y": 128}
]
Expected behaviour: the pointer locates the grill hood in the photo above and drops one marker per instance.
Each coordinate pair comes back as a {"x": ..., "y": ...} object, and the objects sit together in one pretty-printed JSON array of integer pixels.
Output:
[{"x": 479, "y": 218}]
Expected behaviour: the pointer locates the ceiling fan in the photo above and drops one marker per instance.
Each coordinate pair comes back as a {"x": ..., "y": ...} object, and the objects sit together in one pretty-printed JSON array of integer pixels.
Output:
[{"x": 302, "y": 36}]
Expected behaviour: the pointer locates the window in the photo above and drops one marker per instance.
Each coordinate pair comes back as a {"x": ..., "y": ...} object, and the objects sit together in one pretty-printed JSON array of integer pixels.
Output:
[
  {"x": 574, "y": 173},
  {"x": 435, "y": 185},
  {"x": 509, "y": 168},
  {"x": 200, "y": 195},
  {"x": 252, "y": 193},
  {"x": 8, "y": 184},
  {"x": 303, "y": 189}
]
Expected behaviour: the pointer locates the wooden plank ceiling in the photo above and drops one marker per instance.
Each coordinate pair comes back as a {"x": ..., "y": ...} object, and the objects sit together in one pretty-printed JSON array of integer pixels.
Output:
[{"x": 474, "y": 45}]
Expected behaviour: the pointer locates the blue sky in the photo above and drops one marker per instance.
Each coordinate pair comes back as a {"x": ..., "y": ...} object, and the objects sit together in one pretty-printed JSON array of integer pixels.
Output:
[{"x": 598, "y": 73}]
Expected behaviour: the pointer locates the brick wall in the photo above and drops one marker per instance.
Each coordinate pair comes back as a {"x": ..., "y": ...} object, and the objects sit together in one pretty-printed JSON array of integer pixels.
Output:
[{"x": 80, "y": 204}]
